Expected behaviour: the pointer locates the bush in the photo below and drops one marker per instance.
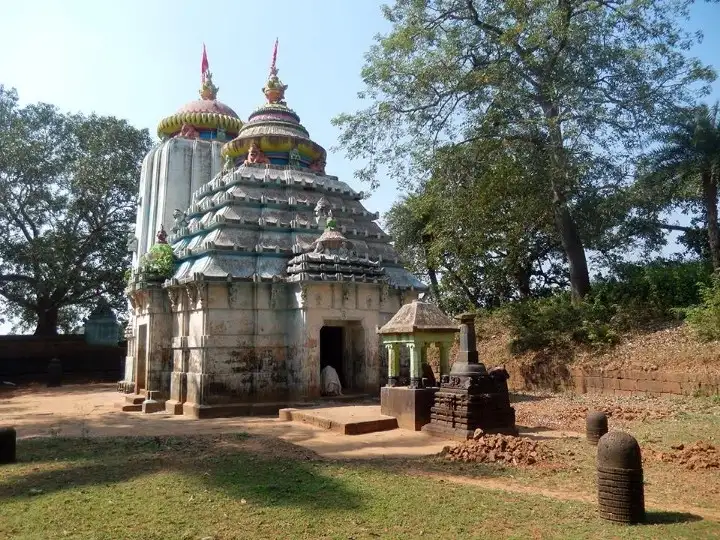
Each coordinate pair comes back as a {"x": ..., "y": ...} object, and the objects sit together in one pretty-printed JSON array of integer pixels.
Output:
[
  {"x": 705, "y": 318},
  {"x": 635, "y": 296},
  {"x": 159, "y": 262},
  {"x": 556, "y": 322}
]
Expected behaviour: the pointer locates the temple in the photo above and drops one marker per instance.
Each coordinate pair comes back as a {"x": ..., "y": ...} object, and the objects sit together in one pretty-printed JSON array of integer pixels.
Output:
[{"x": 278, "y": 269}]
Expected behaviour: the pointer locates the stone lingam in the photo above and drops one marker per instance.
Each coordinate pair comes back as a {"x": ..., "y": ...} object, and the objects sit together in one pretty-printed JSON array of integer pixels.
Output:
[{"x": 471, "y": 397}]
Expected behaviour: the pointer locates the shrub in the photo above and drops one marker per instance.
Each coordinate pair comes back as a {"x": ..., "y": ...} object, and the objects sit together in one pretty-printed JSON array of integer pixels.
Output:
[
  {"x": 635, "y": 296},
  {"x": 159, "y": 262},
  {"x": 705, "y": 318}
]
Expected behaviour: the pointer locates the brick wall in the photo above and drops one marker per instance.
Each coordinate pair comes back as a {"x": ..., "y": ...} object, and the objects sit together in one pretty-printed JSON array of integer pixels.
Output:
[
  {"x": 25, "y": 359},
  {"x": 637, "y": 382},
  {"x": 613, "y": 382}
]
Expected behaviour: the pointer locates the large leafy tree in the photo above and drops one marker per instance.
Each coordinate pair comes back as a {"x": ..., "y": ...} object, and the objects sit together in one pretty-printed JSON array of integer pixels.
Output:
[
  {"x": 476, "y": 228},
  {"x": 584, "y": 81},
  {"x": 684, "y": 171},
  {"x": 67, "y": 201}
]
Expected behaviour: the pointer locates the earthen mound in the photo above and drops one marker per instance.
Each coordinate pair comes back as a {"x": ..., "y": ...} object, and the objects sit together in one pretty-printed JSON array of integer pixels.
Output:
[
  {"x": 506, "y": 449},
  {"x": 698, "y": 455}
]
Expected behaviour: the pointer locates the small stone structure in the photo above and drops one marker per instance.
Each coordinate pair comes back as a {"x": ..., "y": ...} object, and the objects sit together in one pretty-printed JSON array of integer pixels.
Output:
[
  {"x": 8, "y": 438},
  {"x": 55, "y": 373},
  {"x": 471, "y": 397},
  {"x": 621, "y": 496},
  {"x": 417, "y": 326},
  {"x": 596, "y": 425},
  {"x": 102, "y": 327}
]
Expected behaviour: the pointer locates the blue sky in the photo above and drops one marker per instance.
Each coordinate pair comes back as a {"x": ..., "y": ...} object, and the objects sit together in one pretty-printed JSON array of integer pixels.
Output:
[{"x": 140, "y": 60}]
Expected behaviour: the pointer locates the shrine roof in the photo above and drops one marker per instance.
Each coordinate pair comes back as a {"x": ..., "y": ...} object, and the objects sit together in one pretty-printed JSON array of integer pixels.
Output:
[{"x": 419, "y": 316}]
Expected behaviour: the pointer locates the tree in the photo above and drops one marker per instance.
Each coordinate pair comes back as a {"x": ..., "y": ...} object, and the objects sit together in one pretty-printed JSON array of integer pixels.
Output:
[
  {"x": 584, "y": 81},
  {"x": 476, "y": 228},
  {"x": 684, "y": 171},
  {"x": 67, "y": 191}
]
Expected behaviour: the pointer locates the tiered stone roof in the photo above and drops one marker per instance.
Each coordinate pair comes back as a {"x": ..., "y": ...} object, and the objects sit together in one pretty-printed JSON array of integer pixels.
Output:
[{"x": 250, "y": 223}]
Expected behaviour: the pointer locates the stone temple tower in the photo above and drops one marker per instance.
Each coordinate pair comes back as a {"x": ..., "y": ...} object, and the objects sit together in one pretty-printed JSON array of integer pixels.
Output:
[
  {"x": 279, "y": 271},
  {"x": 188, "y": 155}
]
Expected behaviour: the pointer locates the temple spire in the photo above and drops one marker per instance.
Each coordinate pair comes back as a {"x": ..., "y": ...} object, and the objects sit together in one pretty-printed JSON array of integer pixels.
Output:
[
  {"x": 207, "y": 89},
  {"x": 274, "y": 88},
  {"x": 273, "y": 64}
]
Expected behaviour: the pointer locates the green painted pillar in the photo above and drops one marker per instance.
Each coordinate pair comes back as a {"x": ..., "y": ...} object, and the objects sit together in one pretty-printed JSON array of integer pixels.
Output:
[
  {"x": 415, "y": 366},
  {"x": 393, "y": 351},
  {"x": 444, "y": 359}
]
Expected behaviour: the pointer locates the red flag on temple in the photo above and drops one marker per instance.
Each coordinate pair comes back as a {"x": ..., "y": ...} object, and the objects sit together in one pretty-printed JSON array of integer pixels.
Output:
[{"x": 204, "y": 66}]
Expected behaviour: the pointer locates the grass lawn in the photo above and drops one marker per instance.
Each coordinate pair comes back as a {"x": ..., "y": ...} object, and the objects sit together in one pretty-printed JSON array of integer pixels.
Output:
[{"x": 239, "y": 486}]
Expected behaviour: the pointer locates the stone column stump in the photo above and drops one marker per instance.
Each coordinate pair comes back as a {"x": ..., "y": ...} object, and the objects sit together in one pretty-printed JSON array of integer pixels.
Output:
[
  {"x": 621, "y": 495},
  {"x": 8, "y": 438},
  {"x": 596, "y": 425}
]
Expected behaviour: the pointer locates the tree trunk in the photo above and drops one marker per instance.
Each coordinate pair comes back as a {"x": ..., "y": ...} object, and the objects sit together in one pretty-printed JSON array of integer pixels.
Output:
[
  {"x": 434, "y": 287},
  {"x": 573, "y": 247},
  {"x": 47, "y": 321},
  {"x": 710, "y": 199},
  {"x": 523, "y": 276},
  {"x": 564, "y": 222}
]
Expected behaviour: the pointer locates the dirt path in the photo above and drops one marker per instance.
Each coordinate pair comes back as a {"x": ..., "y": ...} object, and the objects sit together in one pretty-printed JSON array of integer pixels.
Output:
[{"x": 73, "y": 411}]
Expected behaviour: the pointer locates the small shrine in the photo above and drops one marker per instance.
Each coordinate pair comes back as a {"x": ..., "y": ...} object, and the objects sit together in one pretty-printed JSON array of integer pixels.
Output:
[
  {"x": 102, "y": 327},
  {"x": 416, "y": 326},
  {"x": 471, "y": 396}
]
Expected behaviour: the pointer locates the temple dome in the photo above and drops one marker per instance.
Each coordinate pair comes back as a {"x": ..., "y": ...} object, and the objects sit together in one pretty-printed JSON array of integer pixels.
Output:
[
  {"x": 277, "y": 134},
  {"x": 204, "y": 118}
]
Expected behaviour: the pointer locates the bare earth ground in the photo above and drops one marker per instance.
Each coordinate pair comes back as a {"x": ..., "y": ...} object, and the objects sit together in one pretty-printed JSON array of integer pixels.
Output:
[{"x": 554, "y": 420}]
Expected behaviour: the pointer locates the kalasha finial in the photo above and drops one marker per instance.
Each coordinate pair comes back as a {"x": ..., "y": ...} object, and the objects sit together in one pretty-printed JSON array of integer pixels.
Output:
[
  {"x": 207, "y": 89},
  {"x": 274, "y": 88}
]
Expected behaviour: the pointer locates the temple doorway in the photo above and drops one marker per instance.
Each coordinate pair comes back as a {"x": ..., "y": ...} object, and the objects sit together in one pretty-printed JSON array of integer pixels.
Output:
[
  {"x": 332, "y": 350},
  {"x": 342, "y": 346}
]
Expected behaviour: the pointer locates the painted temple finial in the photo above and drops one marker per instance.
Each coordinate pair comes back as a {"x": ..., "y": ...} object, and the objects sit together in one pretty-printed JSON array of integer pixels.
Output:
[
  {"x": 274, "y": 88},
  {"x": 207, "y": 90}
]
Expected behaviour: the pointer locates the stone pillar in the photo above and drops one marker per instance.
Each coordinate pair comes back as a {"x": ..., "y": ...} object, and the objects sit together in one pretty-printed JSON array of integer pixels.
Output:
[
  {"x": 468, "y": 348},
  {"x": 415, "y": 366},
  {"x": 393, "y": 351},
  {"x": 444, "y": 359}
]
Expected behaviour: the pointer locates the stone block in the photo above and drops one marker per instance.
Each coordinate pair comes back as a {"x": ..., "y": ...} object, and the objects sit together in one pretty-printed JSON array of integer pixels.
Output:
[
  {"x": 620, "y": 392},
  {"x": 627, "y": 384},
  {"x": 593, "y": 381},
  {"x": 410, "y": 406},
  {"x": 611, "y": 383},
  {"x": 173, "y": 406}
]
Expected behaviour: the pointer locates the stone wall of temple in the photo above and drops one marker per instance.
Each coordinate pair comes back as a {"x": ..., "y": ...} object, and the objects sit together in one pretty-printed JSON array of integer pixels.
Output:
[{"x": 171, "y": 172}]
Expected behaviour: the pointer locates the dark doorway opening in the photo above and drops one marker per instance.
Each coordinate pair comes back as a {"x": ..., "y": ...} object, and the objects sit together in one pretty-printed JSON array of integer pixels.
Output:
[{"x": 331, "y": 350}]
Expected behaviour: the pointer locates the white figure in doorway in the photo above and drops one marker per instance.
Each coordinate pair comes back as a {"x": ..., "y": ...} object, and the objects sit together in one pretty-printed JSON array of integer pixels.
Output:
[{"x": 330, "y": 382}]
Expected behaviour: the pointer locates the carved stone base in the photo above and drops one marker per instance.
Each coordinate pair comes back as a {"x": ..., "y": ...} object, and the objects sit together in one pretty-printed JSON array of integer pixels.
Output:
[
  {"x": 465, "y": 403},
  {"x": 410, "y": 406}
]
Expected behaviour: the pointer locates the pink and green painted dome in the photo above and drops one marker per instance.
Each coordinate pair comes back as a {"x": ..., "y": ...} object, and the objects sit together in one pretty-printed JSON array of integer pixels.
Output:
[
  {"x": 205, "y": 118},
  {"x": 274, "y": 132}
]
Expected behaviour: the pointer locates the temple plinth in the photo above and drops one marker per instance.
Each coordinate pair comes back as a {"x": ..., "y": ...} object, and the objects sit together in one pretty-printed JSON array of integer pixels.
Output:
[{"x": 471, "y": 397}]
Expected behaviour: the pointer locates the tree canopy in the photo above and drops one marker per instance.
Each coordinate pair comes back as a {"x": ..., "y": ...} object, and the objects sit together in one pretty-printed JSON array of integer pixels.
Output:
[
  {"x": 68, "y": 184},
  {"x": 584, "y": 82}
]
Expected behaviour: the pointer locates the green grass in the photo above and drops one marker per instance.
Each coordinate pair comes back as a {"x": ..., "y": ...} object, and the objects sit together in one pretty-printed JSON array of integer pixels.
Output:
[{"x": 225, "y": 487}]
